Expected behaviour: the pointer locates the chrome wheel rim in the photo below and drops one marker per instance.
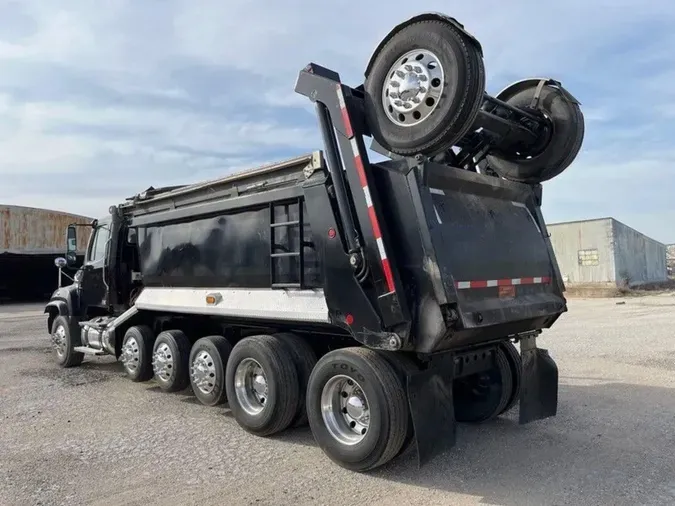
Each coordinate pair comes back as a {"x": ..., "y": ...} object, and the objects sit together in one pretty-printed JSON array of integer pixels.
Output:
[
  {"x": 203, "y": 372},
  {"x": 250, "y": 386},
  {"x": 162, "y": 362},
  {"x": 59, "y": 340},
  {"x": 345, "y": 410},
  {"x": 413, "y": 87},
  {"x": 131, "y": 355}
]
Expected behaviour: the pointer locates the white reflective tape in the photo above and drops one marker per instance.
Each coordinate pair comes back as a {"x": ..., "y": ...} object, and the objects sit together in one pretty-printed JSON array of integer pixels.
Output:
[
  {"x": 437, "y": 191},
  {"x": 515, "y": 281},
  {"x": 438, "y": 217},
  {"x": 464, "y": 284},
  {"x": 366, "y": 192},
  {"x": 538, "y": 280},
  {"x": 341, "y": 97},
  {"x": 355, "y": 147},
  {"x": 492, "y": 282},
  {"x": 380, "y": 246}
]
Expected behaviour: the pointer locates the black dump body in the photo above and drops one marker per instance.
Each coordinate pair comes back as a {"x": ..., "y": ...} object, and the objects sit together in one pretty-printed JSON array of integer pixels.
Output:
[{"x": 409, "y": 254}]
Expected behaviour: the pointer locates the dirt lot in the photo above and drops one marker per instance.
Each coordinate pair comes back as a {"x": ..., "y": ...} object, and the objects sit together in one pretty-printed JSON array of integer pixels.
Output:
[{"x": 90, "y": 436}]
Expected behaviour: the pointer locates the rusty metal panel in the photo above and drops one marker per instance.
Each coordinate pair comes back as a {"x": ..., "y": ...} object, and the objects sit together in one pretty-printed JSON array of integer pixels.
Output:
[{"x": 31, "y": 231}]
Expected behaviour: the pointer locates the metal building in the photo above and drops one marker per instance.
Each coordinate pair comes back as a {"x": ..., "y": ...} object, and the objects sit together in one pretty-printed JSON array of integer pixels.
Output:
[
  {"x": 30, "y": 240},
  {"x": 606, "y": 251}
]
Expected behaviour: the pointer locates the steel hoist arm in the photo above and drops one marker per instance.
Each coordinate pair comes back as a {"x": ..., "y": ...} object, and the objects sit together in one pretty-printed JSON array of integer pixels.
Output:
[{"x": 365, "y": 233}]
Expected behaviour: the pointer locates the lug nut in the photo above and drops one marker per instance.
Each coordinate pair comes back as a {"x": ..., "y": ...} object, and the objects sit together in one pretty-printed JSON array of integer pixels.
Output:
[
  {"x": 394, "y": 94},
  {"x": 398, "y": 102},
  {"x": 416, "y": 100},
  {"x": 400, "y": 73},
  {"x": 407, "y": 105},
  {"x": 423, "y": 89},
  {"x": 418, "y": 69},
  {"x": 394, "y": 84},
  {"x": 422, "y": 77},
  {"x": 408, "y": 68}
]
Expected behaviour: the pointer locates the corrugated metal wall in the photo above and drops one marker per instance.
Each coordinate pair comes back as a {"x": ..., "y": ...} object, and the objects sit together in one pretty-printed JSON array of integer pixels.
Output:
[
  {"x": 638, "y": 258},
  {"x": 31, "y": 231},
  {"x": 584, "y": 251}
]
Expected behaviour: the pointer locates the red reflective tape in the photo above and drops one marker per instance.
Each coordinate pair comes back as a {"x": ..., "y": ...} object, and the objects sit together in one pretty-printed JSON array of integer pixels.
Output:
[
  {"x": 374, "y": 223},
  {"x": 388, "y": 275},
  {"x": 347, "y": 122},
  {"x": 526, "y": 281},
  {"x": 504, "y": 282},
  {"x": 361, "y": 171},
  {"x": 479, "y": 284}
]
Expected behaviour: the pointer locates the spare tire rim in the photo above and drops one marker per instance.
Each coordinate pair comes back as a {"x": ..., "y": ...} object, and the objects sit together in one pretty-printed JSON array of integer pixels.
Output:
[
  {"x": 250, "y": 386},
  {"x": 345, "y": 410},
  {"x": 413, "y": 87}
]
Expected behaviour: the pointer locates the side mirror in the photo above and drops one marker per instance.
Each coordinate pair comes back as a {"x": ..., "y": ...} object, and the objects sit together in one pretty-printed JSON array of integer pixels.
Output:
[
  {"x": 60, "y": 262},
  {"x": 71, "y": 246}
]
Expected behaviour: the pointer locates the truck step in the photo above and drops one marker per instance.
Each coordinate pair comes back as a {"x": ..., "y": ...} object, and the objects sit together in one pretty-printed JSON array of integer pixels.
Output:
[{"x": 89, "y": 351}]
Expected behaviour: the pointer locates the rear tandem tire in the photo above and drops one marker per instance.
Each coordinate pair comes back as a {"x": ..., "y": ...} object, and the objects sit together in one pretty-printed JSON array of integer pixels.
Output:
[
  {"x": 483, "y": 396},
  {"x": 171, "y": 360},
  {"x": 261, "y": 381},
  {"x": 208, "y": 359},
  {"x": 357, "y": 408},
  {"x": 516, "y": 364},
  {"x": 136, "y": 354},
  {"x": 305, "y": 360},
  {"x": 65, "y": 336}
]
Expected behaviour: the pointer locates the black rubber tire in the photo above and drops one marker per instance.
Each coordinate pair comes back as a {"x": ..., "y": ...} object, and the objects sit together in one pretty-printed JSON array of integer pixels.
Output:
[
  {"x": 179, "y": 345},
  {"x": 70, "y": 358},
  {"x": 389, "y": 415},
  {"x": 219, "y": 350},
  {"x": 404, "y": 366},
  {"x": 516, "y": 364},
  {"x": 565, "y": 142},
  {"x": 458, "y": 106},
  {"x": 281, "y": 404},
  {"x": 145, "y": 338},
  {"x": 473, "y": 407},
  {"x": 305, "y": 360}
]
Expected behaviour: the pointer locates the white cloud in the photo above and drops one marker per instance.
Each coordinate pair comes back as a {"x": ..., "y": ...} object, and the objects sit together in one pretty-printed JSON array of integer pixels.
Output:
[{"x": 159, "y": 92}]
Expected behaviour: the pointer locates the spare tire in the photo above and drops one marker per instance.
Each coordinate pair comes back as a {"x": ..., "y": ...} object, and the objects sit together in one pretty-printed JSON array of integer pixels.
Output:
[
  {"x": 565, "y": 136},
  {"x": 424, "y": 88}
]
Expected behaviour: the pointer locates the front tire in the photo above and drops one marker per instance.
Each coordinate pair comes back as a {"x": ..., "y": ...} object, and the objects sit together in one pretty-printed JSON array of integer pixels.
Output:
[
  {"x": 170, "y": 360},
  {"x": 65, "y": 336},
  {"x": 262, "y": 385},
  {"x": 208, "y": 359},
  {"x": 424, "y": 89},
  {"x": 357, "y": 408}
]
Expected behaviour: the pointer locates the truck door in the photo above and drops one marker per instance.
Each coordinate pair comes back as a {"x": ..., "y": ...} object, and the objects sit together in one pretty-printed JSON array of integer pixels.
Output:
[{"x": 93, "y": 286}]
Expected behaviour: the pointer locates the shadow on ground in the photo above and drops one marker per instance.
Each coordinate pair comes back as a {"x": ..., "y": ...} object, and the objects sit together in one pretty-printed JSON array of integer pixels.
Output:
[{"x": 610, "y": 444}]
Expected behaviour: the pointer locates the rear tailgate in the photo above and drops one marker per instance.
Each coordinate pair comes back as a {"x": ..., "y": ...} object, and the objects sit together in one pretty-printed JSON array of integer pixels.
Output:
[{"x": 494, "y": 259}]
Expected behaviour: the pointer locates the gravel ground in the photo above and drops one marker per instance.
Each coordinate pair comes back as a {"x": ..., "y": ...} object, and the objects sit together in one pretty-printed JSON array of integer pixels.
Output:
[{"x": 90, "y": 436}]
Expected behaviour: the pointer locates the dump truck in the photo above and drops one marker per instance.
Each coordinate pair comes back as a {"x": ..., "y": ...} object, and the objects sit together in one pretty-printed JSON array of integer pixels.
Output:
[{"x": 380, "y": 303}]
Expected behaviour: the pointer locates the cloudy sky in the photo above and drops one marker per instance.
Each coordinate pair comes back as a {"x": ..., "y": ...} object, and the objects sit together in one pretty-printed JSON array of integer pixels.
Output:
[{"x": 99, "y": 100}]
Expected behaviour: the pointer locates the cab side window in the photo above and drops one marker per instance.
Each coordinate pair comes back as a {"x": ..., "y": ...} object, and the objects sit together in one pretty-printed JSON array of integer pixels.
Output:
[{"x": 99, "y": 244}]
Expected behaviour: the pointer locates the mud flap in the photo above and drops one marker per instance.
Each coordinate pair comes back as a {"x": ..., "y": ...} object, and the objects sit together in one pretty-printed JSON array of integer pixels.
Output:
[
  {"x": 433, "y": 414},
  {"x": 539, "y": 390}
]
